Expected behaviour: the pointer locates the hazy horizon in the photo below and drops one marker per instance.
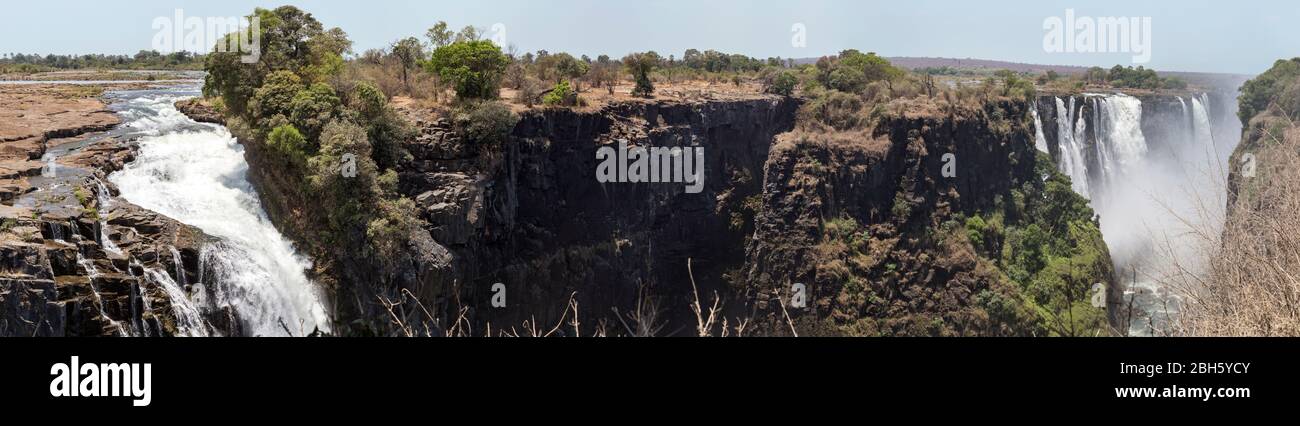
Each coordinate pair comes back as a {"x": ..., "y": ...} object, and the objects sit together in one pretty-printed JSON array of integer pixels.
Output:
[{"x": 1195, "y": 36}]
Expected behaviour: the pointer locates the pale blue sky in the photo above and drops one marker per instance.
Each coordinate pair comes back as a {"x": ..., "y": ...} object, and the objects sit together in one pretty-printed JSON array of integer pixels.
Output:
[{"x": 1242, "y": 36}]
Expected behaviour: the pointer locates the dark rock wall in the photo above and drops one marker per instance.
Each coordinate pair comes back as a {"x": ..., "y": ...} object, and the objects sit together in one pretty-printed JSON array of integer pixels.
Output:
[
  {"x": 534, "y": 217},
  {"x": 866, "y": 179}
]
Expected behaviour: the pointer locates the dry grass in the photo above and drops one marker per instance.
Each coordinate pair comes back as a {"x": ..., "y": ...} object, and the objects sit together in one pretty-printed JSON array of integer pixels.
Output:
[
  {"x": 408, "y": 317},
  {"x": 1252, "y": 284}
]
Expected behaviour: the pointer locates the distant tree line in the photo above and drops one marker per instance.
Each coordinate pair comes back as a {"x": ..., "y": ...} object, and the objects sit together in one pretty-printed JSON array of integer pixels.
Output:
[
  {"x": 145, "y": 59},
  {"x": 1132, "y": 78}
]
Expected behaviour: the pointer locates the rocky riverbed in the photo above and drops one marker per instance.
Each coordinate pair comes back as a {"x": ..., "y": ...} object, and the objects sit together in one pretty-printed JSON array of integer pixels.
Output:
[{"x": 75, "y": 260}]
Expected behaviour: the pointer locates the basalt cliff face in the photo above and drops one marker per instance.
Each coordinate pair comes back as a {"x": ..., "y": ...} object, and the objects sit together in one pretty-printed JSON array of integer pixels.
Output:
[
  {"x": 942, "y": 221},
  {"x": 531, "y": 215}
]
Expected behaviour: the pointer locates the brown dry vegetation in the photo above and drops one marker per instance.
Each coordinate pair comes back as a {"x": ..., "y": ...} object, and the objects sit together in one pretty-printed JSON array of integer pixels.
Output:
[
  {"x": 1252, "y": 283},
  {"x": 1244, "y": 279}
]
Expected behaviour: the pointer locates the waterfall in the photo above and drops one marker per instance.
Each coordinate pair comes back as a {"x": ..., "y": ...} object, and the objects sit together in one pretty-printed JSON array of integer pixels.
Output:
[
  {"x": 1071, "y": 162},
  {"x": 1145, "y": 203},
  {"x": 196, "y": 174},
  {"x": 105, "y": 200},
  {"x": 91, "y": 274},
  {"x": 179, "y": 266},
  {"x": 1040, "y": 141},
  {"x": 145, "y": 306},
  {"x": 1121, "y": 147},
  {"x": 189, "y": 322},
  {"x": 1078, "y": 138},
  {"x": 56, "y": 232},
  {"x": 1187, "y": 117},
  {"x": 1202, "y": 134}
]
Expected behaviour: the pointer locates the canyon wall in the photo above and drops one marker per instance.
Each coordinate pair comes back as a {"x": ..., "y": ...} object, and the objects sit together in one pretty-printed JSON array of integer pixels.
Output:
[{"x": 531, "y": 215}]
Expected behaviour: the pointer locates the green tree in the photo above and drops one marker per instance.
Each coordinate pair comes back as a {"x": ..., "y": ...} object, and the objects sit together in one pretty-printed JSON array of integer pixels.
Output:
[
  {"x": 467, "y": 34},
  {"x": 409, "y": 52},
  {"x": 561, "y": 94},
  {"x": 291, "y": 40},
  {"x": 562, "y": 66},
  {"x": 275, "y": 97},
  {"x": 346, "y": 201},
  {"x": 313, "y": 108},
  {"x": 439, "y": 35},
  {"x": 290, "y": 143},
  {"x": 1263, "y": 90},
  {"x": 474, "y": 68},
  {"x": 783, "y": 83},
  {"x": 852, "y": 70},
  {"x": 640, "y": 65},
  {"x": 384, "y": 127},
  {"x": 847, "y": 79},
  {"x": 873, "y": 67},
  {"x": 368, "y": 101}
]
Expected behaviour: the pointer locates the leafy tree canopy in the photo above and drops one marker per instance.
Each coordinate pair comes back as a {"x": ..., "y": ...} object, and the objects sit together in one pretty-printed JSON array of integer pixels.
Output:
[{"x": 474, "y": 68}]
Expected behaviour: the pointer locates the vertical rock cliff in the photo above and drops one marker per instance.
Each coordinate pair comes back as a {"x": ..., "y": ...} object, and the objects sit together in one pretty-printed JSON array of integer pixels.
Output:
[{"x": 884, "y": 241}]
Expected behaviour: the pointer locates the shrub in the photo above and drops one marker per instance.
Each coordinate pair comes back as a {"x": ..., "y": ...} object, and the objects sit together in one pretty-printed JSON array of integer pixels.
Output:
[
  {"x": 485, "y": 122},
  {"x": 344, "y": 200},
  {"x": 389, "y": 231},
  {"x": 386, "y": 133},
  {"x": 902, "y": 209},
  {"x": 561, "y": 94},
  {"x": 1013, "y": 86},
  {"x": 530, "y": 91},
  {"x": 783, "y": 83},
  {"x": 276, "y": 95},
  {"x": 313, "y": 108},
  {"x": 368, "y": 101},
  {"x": 834, "y": 109},
  {"x": 289, "y": 142}
]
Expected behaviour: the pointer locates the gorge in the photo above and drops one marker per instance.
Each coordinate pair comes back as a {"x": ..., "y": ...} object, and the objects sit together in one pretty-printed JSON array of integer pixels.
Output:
[
  {"x": 1155, "y": 167},
  {"x": 499, "y": 216}
]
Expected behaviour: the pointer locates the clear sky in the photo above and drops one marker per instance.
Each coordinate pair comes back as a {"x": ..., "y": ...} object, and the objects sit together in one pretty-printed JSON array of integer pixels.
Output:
[{"x": 1240, "y": 36}]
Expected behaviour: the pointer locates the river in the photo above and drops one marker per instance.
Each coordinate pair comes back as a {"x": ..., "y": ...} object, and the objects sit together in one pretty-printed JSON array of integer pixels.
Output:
[{"x": 196, "y": 173}]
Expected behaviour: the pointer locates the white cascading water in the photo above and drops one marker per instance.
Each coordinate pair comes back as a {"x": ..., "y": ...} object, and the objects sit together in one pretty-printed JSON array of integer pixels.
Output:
[
  {"x": 105, "y": 202},
  {"x": 1121, "y": 147},
  {"x": 1202, "y": 133},
  {"x": 1187, "y": 115},
  {"x": 189, "y": 321},
  {"x": 1040, "y": 141},
  {"x": 1071, "y": 162},
  {"x": 196, "y": 173},
  {"x": 1146, "y": 204}
]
